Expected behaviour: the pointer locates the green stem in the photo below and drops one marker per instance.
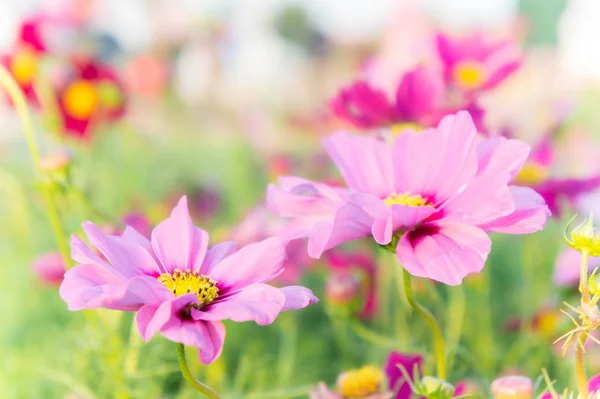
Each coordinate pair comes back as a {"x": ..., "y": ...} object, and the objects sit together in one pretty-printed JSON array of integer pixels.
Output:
[
  {"x": 187, "y": 374},
  {"x": 583, "y": 274},
  {"x": 18, "y": 99},
  {"x": 580, "y": 366},
  {"x": 438, "y": 340}
]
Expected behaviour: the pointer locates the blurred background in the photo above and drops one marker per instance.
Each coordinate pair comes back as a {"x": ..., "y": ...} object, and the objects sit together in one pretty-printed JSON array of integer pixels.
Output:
[{"x": 215, "y": 99}]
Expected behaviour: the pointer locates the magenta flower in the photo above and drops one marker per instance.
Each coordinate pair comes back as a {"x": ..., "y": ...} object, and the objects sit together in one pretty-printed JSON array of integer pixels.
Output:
[
  {"x": 344, "y": 282},
  {"x": 177, "y": 285},
  {"x": 397, "y": 382},
  {"x": 50, "y": 268},
  {"x": 432, "y": 197},
  {"x": 418, "y": 101},
  {"x": 536, "y": 173},
  {"x": 471, "y": 64}
]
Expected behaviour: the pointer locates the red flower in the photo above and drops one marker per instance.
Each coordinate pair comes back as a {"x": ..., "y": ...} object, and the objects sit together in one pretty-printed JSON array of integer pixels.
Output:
[{"x": 91, "y": 95}]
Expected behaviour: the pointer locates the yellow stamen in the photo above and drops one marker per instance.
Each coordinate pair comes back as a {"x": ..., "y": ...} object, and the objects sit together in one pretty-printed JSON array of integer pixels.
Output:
[
  {"x": 24, "y": 65},
  {"x": 186, "y": 282},
  {"x": 80, "y": 99},
  {"x": 406, "y": 199},
  {"x": 398, "y": 128},
  {"x": 469, "y": 74},
  {"x": 531, "y": 173},
  {"x": 360, "y": 383}
]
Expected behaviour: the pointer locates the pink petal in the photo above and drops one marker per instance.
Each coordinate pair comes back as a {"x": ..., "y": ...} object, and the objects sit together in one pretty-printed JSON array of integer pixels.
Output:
[
  {"x": 445, "y": 251},
  {"x": 304, "y": 199},
  {"x": 373, "y": 173},
  {"x": 530, "y": 214},
  {"x": 92, "y": 286},
  {"x": 419, "y": 94},
  {"x": 297, "y": 297},
  {"x": 216, "y": 254},
  {"x": 349, "y": 223},
  {"x": 261, "y": 303},
  {"x": 437, "y": 162},
  {"x": 252, "y": 264},
  {"x": 135, "y": 236},
  {"x": 82, "y": 254},
  {"x": 501, "y": 155},
  {"x": 401, "y": 217},
  {"x": 128, "y": 258},
  {"x": 207, "y": 336},
  {"x": 178, "y": 244},
  {"x": 486, "y": 198},
  {"x": 594, "y": 383},
  {"x": 151, "y": 318}
]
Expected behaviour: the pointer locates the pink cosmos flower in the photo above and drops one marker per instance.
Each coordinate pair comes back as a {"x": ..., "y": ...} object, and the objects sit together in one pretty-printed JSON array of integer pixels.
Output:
[
  {"x": 396, "y": 380},
  {"x": 91, "y": 94},
  {"x": 24, "y": 59},
  {"x": 50, "y": 268},
  {"x": 344, "y": 283},
  {"x": 536, "y": 173},
  {"x": 431, "y": 196},
  {"x": 418, "y": 99},
  {"x": 471, "y": 64},
  {"x": 177, "y": 285}
]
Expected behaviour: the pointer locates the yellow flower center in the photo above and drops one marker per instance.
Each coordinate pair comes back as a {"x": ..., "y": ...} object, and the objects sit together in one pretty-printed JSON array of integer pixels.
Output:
[
  {"x": 80, "y": 99},
  {"x": 360, "y": 383},
  {"x": 548, "y": 322},
  {"x": 398, "y": 128},
  {"x": 531, "y": 173},
  {"x": 469, "y": 74},
  {"x": 24, "y": 65},
  {"x": 186, "y": 282},
  {"x": 406, "y": 199}
]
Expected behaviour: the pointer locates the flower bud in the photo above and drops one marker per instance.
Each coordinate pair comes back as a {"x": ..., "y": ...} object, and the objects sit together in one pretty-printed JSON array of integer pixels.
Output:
[
  {"x": 585, "y": 238},
  {"x": 436, "y": 388},
  {"x": 56, "y": 162},
  {"x": 50, "y": 268},
  {"x": 512, "y": 387}
]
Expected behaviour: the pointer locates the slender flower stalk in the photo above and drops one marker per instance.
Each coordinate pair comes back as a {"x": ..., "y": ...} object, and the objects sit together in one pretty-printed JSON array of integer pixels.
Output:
[
  {"x": 583, "y": 273},
  {"x": 579, "y": 347},
  {"x": 187, "y": 374},
  {"x": 438, "y": 339},
  {"x": 18, "y": 99}
]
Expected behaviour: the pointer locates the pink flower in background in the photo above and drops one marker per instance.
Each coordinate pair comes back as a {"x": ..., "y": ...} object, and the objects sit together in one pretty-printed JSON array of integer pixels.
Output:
[
  {"x": 436, "y": 194},
  {"x": 536, "y": 173},
  {"x": 177, "y": 285},
  {"x": 50, "y": 268},
  {"x": 139, "y": 222},
  {"x": 472, "y": 64},
  {"x": 397, "y": 382},
  {"x": 417, "y": 101},
  {"x": 568, "y": 263},
  {"x": 259, "y": 224},
  {"x": 352, "y": 275},
  {"x": 90, "y": 95},
  {"x": 24, "y": 59}
]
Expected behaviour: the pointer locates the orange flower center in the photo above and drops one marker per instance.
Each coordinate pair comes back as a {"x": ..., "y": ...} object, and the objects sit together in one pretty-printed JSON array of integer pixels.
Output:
[
  {"x": 469, "y": 74},
  {"x": 80, "y": 99},
  {"x": 24, "y": 65}
]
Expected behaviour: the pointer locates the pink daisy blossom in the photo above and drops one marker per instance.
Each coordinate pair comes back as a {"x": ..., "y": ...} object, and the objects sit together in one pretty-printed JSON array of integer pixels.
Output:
[
  {"x": 471, "y": 64},
  {"x": 431, "y": 196},
  {"x": 50, "y": 268},
  {"x": 177, "y": 285},
  {"x": 418, "y": 99}
]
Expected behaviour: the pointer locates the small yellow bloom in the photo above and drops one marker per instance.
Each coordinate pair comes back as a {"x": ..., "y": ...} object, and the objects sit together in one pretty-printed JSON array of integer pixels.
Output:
[
  {"x": 360, "y": 383},
  {"x": 469, "y": 74}
]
